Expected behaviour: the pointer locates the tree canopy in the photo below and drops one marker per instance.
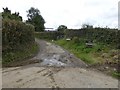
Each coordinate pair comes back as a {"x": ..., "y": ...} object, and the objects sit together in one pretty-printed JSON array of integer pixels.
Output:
[
  {"x": 87, "y": 26},
  {"x": 35, "y": 19},
  {"x": 62, "y": 28},
  {"x": 6, "y": 14}
]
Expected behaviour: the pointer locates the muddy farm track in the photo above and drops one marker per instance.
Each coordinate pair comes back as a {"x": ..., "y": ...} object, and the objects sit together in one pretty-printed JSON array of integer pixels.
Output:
[{"x": 55, "y": 68}]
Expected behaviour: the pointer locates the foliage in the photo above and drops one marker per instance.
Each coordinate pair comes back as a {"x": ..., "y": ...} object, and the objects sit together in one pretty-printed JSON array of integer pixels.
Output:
[
  {"x": 16, "y": 33},
  {"x": 16, "y": 36},
  {"x": 22, "y": 54},
  {"x": 35, "y": 19},
  {"x": 18, "y": 41},
  {"x": 75, "y": 40},
  {"x": 116, "y": 74},
  {"x": 87, "y": 26},
  {"x": 51, "y": 35},
  {"x": 62, "y": 28},
  {"x": 89, "y": 55},
  {"x": 79, "y": 49},
  {"x": 102, "y": 35},
  {"x": 6, "y": 14}
]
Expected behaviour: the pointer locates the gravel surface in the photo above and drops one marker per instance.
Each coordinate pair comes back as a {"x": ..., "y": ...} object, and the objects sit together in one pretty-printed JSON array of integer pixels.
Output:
[{"x": 57, "y": 68}]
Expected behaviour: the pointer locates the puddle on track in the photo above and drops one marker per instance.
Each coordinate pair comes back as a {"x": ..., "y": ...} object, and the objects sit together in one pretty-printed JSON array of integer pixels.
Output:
[{"x": 54, "y": 60}]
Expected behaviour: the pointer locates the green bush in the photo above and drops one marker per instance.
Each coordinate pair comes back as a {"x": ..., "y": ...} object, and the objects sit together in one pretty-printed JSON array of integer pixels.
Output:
[
  {"x": 13, "y": 56},
  {"x": 16, "y": 37},
  {"x": 16, "y": 33}
]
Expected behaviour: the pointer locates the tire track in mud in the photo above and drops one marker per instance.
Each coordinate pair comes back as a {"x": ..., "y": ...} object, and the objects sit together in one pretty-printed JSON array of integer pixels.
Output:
[
  {"x": 41, "y": 70},
  {"x": 50, "y": 73},
  {"x": 9, "y": 70},
  {"x": 24, "y": 83},
  {"x": 46, "y": 72},
  {"x": 28, "y": 81}
]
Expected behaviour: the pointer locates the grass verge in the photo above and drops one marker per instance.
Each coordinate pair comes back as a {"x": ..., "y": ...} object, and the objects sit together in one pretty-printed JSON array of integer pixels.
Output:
[
  {"x": 79, "y": 49},
  {"x": 116, "y": 75}
]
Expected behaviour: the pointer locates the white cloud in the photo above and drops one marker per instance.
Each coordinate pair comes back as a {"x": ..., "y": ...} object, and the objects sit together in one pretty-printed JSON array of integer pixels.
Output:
[{"x": 71, "y": 13}]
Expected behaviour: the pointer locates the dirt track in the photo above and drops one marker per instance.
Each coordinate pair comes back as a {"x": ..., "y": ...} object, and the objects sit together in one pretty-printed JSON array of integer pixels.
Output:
[{"x": 57, "y": 68}]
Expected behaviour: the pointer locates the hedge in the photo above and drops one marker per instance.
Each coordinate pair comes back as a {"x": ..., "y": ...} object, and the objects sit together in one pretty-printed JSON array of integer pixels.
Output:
[
  {"x": 49, "y": 35},
  {"x": 102, "y": 35},
  {"x": 107, "y": 36},
  {"x": 15, "y": 34}
]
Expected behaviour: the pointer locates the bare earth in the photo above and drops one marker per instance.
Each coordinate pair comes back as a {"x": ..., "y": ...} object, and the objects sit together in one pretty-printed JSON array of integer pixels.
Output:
[{"x": 57, "y": 68}]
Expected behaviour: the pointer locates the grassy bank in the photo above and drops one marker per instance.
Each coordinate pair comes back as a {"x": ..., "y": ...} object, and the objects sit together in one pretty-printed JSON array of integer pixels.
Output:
[
  {"x": 88, "y": 55},
  {"x": 26, "y": 52},
  {"x": 100, "y": 54}
]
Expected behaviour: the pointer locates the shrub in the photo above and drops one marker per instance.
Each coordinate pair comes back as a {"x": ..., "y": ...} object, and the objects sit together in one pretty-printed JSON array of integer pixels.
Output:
[
  {"x": 16, "y": 36},
  {"x": 15, "y": 33}
]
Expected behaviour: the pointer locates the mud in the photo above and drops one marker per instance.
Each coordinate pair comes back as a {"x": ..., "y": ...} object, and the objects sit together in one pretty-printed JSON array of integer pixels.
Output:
[
  {"x": 55, "y": 68},
  {"x": 54, "y": 55}
]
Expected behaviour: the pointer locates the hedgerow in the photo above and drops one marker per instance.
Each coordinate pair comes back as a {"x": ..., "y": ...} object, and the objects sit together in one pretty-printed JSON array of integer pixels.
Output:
[
  {"x": 16, "y": 36},
  {"x": 50, "y": 35},
  {"x": 15, "y": 33},
  {"x": 102, "y": 35}
]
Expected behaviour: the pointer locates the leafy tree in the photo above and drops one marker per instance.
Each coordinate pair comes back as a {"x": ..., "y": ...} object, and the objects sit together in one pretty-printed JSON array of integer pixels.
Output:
[
  {"x": 62, "y": 28},
  {"x": 6, "y": 14},
  {"x": 88, "y": 26},
  {"x": 35, "y": 19}
]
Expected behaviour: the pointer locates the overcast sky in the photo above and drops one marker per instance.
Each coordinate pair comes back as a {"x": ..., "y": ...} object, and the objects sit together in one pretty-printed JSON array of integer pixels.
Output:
[{"x": 72, "y": 13}]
